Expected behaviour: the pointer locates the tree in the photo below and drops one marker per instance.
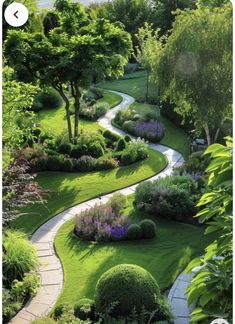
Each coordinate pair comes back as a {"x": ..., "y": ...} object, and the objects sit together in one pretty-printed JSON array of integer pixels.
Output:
[
  {"x": 73, "y": 56},
  {"x": 131, "y": 13},
  {"x": 164, "y": 12},
  {"x": 19, "y": 189},
  {"x": 195, "y": 70},
  {"x": 211, "y": 286},
  {"x": 212, "y": 3},
  {"x": 17, "y": 97},
  {"x": 149, "y": 50}
]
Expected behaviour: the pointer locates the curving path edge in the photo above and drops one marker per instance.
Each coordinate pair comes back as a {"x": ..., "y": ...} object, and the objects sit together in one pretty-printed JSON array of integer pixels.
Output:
[{"x": 50, "y": 270}]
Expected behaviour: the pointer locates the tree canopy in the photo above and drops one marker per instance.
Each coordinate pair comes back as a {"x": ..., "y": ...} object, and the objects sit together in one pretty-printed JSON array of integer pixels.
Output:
[
  {"x": 195, "y": 70},
  {"x": 77, "y": 53}
]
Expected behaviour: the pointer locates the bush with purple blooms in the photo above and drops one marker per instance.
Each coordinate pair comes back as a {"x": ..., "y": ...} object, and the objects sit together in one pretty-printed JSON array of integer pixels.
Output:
[
  {"x": 100, "y": 223},
  {"x": 150, "y": 130}
]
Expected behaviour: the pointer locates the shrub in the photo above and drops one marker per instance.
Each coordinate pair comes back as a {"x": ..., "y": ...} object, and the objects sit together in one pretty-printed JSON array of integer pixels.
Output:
[
  {"x": 141, "y": 147},
  {"x": 36, "y": 133},
  {"x": 148, "y": 228},
  {"x": 98, "y": 92},
  {"x": 121, "y": 145},
  {"x": 68, "y": 165},
  {"x": 65, "y": 148},
  {"x": 76, "y": 151},
  {"x": 152, "y": 115},
  {"x": 60, "y": 310},
  {"x": 118, "y": 202},
  {"x": 97, "y": 223},
  {"x": 170, "y": 197},
  {"x": 129, "y": 156},
  {"x": 111, "y": 136},
  {"x": 134, "y": 232},
  {"x": 27, "y": 287},
  {"x": 54, "y": 163},
  {"x": 151, "y": 130},
  {"x": 9, "y": 305},
  {"x": 100, "y": 109},
  {"x": 85, "y": 309},
  {"x": 39, "y": 164},
  {"x": 106, "y": 163},
  {"x": 19, "y": 256},
  {"x": 85, "y": 163},
  {"x": 127, "y": 138},
  {"x": 130, "y": 288},
  {"x": 46, "y": 100},
  {"x": 95, "y": 150}
]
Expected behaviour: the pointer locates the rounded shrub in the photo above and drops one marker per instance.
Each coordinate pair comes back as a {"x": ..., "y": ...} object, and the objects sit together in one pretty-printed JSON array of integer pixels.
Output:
[
  {"x": 36, "y": 132},
  {"x": 65, "y": 148},
  {"x": 112, "y": 136},
  {"x": 60, "y": 310},
  {"x": 76, "y": 151},
  {"x": 134, "y": 232},
  {"x": 128, "y": 287},
  {"x": 48, "y": 99},
  {"x": 148, "y": 228},
  {"x": 95, "y": 150},
  {"x": 121, "y": 145},
  {"x": 127, "y": 138},
  {"x": 106, "y": 163},
  {"x": 129, "y": 156},
  {"x": 85, "y": 309}
]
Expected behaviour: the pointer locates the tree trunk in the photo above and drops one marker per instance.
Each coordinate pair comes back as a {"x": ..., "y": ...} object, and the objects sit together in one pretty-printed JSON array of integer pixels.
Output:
[
  {"x": 208, "y": 136},
  {"x": 216, "y": 134},
  {"x": 67, "y": 105},
  {"x": 77, "y": 96},
  {"x": 147, "y": 90}
]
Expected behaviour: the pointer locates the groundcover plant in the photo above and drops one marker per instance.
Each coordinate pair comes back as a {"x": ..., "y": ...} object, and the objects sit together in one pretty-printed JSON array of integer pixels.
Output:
[{"x": 117, "y": 162}]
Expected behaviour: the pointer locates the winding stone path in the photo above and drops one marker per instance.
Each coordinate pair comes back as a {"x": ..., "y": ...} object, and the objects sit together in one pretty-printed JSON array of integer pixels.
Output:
[{"x": 50, "y": 270}]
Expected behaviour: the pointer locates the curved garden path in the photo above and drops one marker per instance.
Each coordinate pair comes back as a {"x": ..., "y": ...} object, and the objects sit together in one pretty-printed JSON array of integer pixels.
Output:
[{"x": 50, "y": 270}]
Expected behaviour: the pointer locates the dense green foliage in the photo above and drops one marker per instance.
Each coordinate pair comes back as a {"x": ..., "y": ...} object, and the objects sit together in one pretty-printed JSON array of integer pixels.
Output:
[
  {"x": 172, "y": 197},
  {"x": 128, "y": 287},
  {"x": 192, "y": 58},
  {"x": 19, "y": 282},
  {"x": 211, "y": 286},
  {"x": 148, "y": 228}
]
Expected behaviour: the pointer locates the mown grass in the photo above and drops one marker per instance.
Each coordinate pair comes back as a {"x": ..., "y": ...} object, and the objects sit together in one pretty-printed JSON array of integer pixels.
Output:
[
  {"x": 54, "y": 120},
  {"x": 69, "y": 189},
  {"x": 164, "y": 256}
]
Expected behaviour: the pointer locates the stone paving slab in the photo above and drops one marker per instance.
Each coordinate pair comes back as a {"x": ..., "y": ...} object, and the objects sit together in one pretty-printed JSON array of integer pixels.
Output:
[{"x": 50, "y": 270}]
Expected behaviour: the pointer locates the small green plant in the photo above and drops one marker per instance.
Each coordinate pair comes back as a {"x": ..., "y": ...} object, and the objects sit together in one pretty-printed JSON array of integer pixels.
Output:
[
  {"x": 148, "y": 228},
  {"x": 85, "y": 309},
  {"x": 19, "y": 256},
  {"x": 118, "y": 202},
  {"x": 134, "y": 232}
]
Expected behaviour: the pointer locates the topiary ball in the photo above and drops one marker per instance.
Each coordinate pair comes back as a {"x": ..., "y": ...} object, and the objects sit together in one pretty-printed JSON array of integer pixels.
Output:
[
  {"x": 85, "y": 309},
  {"x": 148, "y": 228},
  {"x": 127, "y": 138},
  {"x": 124, "y": 288},
  {"x": 134, "y": 232},
  {"x": 121, "y": 145}
]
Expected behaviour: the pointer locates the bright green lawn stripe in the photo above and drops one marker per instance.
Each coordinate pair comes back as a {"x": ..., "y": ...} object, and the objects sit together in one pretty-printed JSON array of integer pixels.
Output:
[
  {"x": 69, "y": 189},
  {"x": 165, "y": 256},
  {"x": 54, "y": 120},
  {"x": 135, "y": 87}
]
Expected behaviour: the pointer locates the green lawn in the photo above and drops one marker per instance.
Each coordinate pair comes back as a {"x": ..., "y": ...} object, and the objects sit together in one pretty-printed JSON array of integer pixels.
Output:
[
  {"x": 135, "y": 87},
  {"x": 54, "y": 120},
  {"x": 69, "y": 189},
  {"x": 174, "y": 137},
  {"x": 165, "y": 256}
]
